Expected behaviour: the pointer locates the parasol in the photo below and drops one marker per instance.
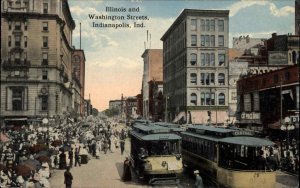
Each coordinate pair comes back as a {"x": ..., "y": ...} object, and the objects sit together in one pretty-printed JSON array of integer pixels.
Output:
[
  {"x": 56, "y": 143},
  {"x": 65, "y": 148},
  {"x": 37, "y": 148},
  {"x": 23, "y": 170},
  {"x": 43, "y": 159},
  {"x": 32, "y": 164},
  {"x": 43, "y": 153}
]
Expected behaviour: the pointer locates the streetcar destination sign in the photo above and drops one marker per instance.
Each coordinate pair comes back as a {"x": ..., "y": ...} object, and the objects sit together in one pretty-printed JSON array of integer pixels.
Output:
[{"x": 243, "y": 133}]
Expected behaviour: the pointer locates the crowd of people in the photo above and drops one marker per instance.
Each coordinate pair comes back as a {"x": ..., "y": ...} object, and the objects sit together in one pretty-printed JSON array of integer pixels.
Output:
[{"x": 31, "y": 153}]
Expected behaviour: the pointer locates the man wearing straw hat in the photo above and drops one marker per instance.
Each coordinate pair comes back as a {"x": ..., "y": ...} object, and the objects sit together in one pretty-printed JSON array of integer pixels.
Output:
[{"x": 199, "y": 181}]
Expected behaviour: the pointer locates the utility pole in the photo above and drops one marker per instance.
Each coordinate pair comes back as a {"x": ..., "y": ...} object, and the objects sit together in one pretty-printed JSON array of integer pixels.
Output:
[{"x": 166, "y": 110}]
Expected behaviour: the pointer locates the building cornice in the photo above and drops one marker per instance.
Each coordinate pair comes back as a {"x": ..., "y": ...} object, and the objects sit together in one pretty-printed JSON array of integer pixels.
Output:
[{"x": 194, "y": 12}]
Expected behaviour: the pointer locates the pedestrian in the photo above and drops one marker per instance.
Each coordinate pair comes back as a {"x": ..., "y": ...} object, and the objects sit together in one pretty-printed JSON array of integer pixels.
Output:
[
  {"x": 127, "y": 170},
  {"x": 71, "y": 157},
  {"x": 199, "y": 181},
  {"x": 122, "y": 146},
  {"x": 77, "y": 156},
  {"x": 62, "y": 160},
  {"x": 261, "y": 162},
  {"x": 68, "y": 178}
]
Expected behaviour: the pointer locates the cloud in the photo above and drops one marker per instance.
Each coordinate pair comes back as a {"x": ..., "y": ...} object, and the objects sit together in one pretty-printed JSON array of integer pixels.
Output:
[
  {"x": 236, "y": 7},
  {"x": 117, "y": 62},
  {"x": 79, "y": 11},
  {"x": 284, "y": 11}
]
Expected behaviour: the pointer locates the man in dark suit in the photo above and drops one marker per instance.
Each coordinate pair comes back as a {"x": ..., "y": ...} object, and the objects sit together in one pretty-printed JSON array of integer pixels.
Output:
[
  {"x": 68, "y": 178},
  {"x": 71, "y": 157}
]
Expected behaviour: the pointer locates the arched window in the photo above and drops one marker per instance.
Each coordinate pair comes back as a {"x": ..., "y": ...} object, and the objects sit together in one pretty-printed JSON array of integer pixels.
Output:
[
  {"x": 221, "y": 79},
  {"x": 193, "y": 78},
  {"x": 221, "y": 99},
  {"x": 193, "y": 99},
  {"x": 193, "y": 59}
]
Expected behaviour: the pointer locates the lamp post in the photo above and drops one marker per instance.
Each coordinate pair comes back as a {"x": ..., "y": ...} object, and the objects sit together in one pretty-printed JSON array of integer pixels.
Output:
[{"x": 287, "y": 126}]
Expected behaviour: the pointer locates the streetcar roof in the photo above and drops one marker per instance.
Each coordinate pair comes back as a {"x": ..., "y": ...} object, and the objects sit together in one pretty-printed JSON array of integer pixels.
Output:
[
  {"x": 167, "y": 124},
  {"x": 215, "y": 139},
  {"x": 151, "y": 128},
  {"x": 155, "y": 137},
  {"x": 209, "y": 128},
  {"x": 247, "y": 141}
]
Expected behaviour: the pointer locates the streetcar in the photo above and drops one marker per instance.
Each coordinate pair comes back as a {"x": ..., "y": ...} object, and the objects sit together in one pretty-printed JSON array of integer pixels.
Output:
[
  {"x": 226, "y": 157},
  {"x": 155, "y": 153}
]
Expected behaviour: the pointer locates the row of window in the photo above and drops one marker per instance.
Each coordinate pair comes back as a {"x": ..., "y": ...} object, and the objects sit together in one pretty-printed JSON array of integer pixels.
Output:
[
  {"x": 207, "y": 25},
  {"x": 18, "y": 25},
  {"x": 208, "y": 40},
  {"x": 208, "y": 98},
  {"x": 204, "y": 148},
  {"x": 207, "y": 78},
  {"x": 17, "y": 57},
  {"x": 17, "y": 4},
  {"x": 18, "y": 100},
  {"x": 17, "y": 40},
  {"x": 208, "y": 59}
]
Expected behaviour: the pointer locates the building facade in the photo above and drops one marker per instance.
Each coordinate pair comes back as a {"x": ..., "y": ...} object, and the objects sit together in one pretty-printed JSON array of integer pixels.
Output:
[
  {"x": 131, "y": 108},
  {"x": 297, "y": 17},
  {"x": 153, "y": 70},
  {"x": 156, "y": 100},
  {"x": 259, "y": 99},
  {"x": 36, "y": 60},
  {"x": 283, "y": 50},
  {"x": 195, "y": 50},
  {"x": 246, "y": 44},
  {"x": 78, "y": 75}
]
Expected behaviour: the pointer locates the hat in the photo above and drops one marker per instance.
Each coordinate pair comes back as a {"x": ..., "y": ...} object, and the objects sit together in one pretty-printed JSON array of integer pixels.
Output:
[{"x": 196, "y": 172}]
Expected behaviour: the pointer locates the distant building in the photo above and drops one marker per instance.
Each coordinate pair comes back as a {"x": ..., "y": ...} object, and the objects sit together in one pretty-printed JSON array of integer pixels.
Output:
[
  {"x": 259, "y": 99},
  {"x": 195, "y": 50},
  {"x": 131, "y": 108},
  {"x": 297, "y": 17},
  {"x": 283, "y": 50},
  {"x": 153, "y": 70},
  {"x": 115, "y": 104},
  {"x": 156, "y": 100},
  {"x": 78, "y": 74},
  {"x": 139, "y": 109},
  {"x": 246, "y": 44},
  {"x": 88, "y": 107}
]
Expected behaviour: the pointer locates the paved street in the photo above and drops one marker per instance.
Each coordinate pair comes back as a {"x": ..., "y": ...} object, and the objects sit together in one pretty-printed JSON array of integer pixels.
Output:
[{"x": 104, "y": 172}]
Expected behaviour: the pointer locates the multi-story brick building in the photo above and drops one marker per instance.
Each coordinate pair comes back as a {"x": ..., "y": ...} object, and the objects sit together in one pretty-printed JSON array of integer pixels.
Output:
[
  {"x": 195, "y": 50},
  {"x": 153, "y": 70},
  {"x": 36, "y": 60},
  {"x": 259, "y": 99},
  {"x": 78, "y": 75}
]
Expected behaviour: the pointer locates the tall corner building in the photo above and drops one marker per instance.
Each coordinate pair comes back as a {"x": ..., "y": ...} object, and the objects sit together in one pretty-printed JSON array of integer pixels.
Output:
[
  {"x": 195, "y": 67},
  {"x": 36, "y": 61}
]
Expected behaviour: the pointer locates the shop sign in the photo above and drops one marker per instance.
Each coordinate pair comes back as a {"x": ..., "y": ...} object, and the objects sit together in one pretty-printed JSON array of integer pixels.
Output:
[{"x": 250, "y": 115}]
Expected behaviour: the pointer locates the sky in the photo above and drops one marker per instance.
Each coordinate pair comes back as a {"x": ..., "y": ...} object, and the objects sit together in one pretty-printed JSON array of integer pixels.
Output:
[{"x": 113, "y": 56}]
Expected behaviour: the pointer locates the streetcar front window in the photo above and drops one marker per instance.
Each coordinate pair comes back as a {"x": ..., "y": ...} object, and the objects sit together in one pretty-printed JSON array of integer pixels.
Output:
[{"x": 163, "y": 148}]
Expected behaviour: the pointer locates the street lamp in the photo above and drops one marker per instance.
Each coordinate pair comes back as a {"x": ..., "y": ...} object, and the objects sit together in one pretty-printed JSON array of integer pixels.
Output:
[{"x": 287, "y": 126}]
